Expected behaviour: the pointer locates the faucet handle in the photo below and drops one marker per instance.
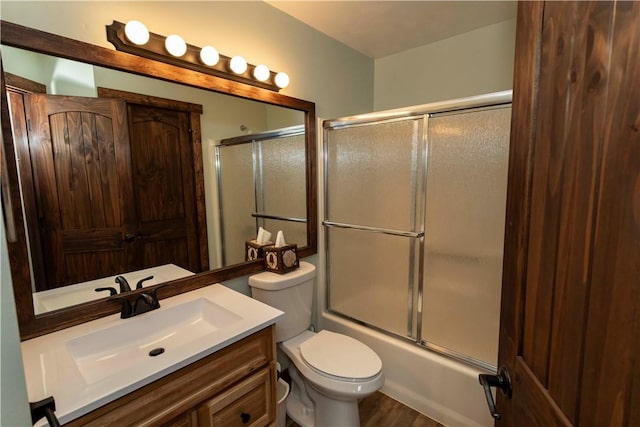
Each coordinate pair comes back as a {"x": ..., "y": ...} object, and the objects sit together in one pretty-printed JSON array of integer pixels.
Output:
[
  {"x": 112, "y": 290},
  {"x": 139, "y": 285},
  {"x": 154, "y": 295}
]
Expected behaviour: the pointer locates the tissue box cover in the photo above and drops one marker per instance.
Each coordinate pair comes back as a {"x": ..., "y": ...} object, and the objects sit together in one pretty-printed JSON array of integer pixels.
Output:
[
  {"x": 254, "y": 250},
  {"x": 281, "y": 260}
]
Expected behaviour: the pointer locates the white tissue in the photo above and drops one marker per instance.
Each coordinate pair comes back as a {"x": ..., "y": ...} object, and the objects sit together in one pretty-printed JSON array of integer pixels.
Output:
[
  {"x": 280, "y": 239},
  {"x": 263, "y": 236}
]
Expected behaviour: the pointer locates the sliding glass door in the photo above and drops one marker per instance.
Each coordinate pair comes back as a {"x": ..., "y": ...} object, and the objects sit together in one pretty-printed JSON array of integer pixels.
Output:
[{"x": 414, "y": 225}]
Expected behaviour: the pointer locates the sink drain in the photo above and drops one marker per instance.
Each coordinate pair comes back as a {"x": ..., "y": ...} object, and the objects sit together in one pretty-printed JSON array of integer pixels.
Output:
[{"x": 156, "y": 352}]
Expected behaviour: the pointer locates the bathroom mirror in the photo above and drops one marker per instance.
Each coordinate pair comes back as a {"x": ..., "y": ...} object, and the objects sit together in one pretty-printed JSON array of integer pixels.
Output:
[{"x": 246, "y": 109}]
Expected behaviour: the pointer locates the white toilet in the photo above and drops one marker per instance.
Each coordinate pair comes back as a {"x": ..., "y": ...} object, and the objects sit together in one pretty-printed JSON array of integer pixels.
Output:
[{"x": 329, "y": 371}]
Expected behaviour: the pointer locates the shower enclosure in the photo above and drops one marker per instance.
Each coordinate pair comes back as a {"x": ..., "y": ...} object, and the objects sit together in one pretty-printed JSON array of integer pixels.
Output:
[
  {"x": 261, "y": 182},
  {"x": 414, "y": 222}
]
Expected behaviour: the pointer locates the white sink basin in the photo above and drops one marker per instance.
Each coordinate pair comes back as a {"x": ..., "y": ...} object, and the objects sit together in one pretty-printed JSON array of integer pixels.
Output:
[{"x": 127, "y": 345}]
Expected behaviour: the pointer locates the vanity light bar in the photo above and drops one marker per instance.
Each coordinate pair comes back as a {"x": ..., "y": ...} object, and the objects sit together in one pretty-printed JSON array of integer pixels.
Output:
[{"x": 195, "y": 58}]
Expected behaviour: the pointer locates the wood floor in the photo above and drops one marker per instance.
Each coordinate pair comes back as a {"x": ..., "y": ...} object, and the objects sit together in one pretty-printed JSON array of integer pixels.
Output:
[{"x": 379, "y": 410}]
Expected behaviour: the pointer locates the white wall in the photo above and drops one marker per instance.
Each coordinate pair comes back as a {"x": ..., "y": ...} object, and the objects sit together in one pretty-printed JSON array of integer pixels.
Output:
[
  {"x": 338, "y": 79},
  {"x": 14, "y": 410},
  {"x": 473, "y": 63}
]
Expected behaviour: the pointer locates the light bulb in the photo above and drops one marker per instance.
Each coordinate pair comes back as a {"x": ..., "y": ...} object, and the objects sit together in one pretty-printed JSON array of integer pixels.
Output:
[
  {"x": 136, "y": 32},
  {"x": 261, "y": 73},
  {"x": 238, "y": 64},
  {"x": 175, "y": 45},
  {"x": 282, "y": 80},
  {"x": 209, "y": 56}
]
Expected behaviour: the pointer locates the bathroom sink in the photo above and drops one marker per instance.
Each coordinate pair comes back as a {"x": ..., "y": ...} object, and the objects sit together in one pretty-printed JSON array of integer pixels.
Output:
[{"x": 143, "y": 339}]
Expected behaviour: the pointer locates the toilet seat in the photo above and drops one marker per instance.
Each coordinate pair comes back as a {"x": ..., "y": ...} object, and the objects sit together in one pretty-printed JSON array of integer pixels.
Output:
[{"x": 340, "y": 356}]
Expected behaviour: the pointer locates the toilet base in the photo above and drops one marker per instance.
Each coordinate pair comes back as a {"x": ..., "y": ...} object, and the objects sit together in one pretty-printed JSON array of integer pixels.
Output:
[
  {"x": 311, "y": 408},
  {"x": 302, "y": 415}
]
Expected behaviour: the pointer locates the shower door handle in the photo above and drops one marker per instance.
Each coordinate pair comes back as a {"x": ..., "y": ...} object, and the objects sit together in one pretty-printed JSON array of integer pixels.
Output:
[{"x": 501, "y": 381}]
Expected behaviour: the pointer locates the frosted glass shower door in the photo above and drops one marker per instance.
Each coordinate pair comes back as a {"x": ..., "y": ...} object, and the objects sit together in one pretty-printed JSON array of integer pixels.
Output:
[
  {"x": 281, "y": 186},
  {"x": 236, "y": 195},
  {"x": 466, "y": 200},
  {"x": 374, "y": 176}
]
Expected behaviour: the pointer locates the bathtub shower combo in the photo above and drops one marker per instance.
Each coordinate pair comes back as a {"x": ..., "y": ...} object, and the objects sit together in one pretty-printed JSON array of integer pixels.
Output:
[{"x": 414, "y": 203}]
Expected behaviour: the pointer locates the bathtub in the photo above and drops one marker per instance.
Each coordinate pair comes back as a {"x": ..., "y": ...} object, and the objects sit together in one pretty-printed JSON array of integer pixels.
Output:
[{"x": 443, "y": 389}]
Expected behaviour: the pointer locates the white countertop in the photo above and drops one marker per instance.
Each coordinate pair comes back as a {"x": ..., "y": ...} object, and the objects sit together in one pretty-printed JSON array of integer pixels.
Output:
[{"x": 50, "y": 369}]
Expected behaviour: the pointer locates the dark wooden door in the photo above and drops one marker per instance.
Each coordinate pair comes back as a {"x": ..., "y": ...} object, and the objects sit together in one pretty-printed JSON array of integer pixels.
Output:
[
  {"x": 570, "y": 321},
  {"x": 164, "y": 187},
  {"x": 80, "y": 160},
  {"x": 17, "y": 87}
]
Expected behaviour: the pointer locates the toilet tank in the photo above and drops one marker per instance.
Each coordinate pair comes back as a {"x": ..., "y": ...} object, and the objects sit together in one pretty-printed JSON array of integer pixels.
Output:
[{"x": 291, "y": 293}]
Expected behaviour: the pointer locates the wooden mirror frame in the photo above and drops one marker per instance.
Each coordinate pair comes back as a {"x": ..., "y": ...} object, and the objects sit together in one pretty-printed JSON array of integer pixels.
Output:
[{"x": 46, "y": 43}]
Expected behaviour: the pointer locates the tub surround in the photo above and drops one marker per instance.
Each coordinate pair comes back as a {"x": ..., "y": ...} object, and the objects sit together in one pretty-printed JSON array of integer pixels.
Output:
[{"x": 53, "y": 369}]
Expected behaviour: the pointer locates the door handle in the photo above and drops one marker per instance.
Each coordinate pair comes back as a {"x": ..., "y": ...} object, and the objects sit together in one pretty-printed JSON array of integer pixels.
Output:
[
  {"x": 130, "y": 237},
  {"x": 501, "y": 381}
]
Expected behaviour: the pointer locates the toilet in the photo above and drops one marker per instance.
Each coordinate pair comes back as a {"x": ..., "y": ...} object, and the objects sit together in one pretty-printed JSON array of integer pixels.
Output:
[{"x": 329, "y": 371}]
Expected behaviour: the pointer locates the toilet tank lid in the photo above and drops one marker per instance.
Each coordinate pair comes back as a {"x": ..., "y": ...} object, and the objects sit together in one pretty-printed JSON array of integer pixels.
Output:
[{"x": 273, "y": 281}]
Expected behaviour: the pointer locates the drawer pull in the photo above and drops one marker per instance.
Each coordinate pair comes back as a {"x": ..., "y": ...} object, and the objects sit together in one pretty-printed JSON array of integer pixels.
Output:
[{"x": 245, "y": 417}]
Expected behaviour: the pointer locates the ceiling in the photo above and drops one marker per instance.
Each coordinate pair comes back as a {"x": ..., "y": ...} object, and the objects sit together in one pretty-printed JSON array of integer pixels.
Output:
[{"x": 381, "y": 28}]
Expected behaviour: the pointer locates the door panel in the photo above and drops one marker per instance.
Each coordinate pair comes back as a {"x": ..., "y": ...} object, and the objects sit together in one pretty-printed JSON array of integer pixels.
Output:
[
  {"x": 571, "y": 289},
  {"x": 164, "y": 186},
  {"x": 15, "y": 94},
  {"x": 72, "y": 141},
  {"x": 611, "y": 362}
]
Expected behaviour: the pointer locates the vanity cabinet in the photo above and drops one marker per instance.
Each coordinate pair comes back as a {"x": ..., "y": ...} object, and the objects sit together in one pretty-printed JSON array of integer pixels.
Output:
[{"x": 234, "y": 386}]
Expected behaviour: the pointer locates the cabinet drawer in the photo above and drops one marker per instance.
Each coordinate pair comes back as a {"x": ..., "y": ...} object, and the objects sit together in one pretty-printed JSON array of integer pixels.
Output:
[{"x": 246, "y": 404}]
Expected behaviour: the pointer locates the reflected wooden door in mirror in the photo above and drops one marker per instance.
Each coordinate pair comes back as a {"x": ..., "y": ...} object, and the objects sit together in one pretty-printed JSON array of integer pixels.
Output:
[
  {"x": 80, "y": 157},
  {"x": 110, "y": 201},
  {"x": 196, "y": 232},
  {"x": 168, "y": 187}
]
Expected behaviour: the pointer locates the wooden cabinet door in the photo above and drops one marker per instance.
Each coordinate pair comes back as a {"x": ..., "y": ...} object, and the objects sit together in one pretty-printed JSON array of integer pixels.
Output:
[
  {"x": 570, "y": 325},
  {"x": 81, "y": 167}
]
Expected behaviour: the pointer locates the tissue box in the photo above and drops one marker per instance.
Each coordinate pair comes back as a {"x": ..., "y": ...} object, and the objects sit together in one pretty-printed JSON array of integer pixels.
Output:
[
  {"x": 254, "y": 250},
  {"x": 281, "y": 260}
]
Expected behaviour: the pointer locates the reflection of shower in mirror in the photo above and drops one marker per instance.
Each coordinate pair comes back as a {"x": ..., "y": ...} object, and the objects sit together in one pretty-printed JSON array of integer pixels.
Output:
[{"x": 261, "y": 182}]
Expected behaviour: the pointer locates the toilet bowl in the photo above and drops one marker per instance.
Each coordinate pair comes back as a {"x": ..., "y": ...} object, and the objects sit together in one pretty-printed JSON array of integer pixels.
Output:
[
  {"x": 334, "y": 371},
  {"x": 329, "y": 371}
]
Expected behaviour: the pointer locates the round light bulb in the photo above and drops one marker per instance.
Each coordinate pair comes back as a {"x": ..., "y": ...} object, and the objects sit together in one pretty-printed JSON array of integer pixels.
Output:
[
  {"x": 175, "y": 45},
  {"x": 238, "y": 64},
  {"x": 209, "y": 56},
  {"x": 261, "y": 73},
  {"x": 136, "y": 32},
  {"x": 282, "y": 80}
]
